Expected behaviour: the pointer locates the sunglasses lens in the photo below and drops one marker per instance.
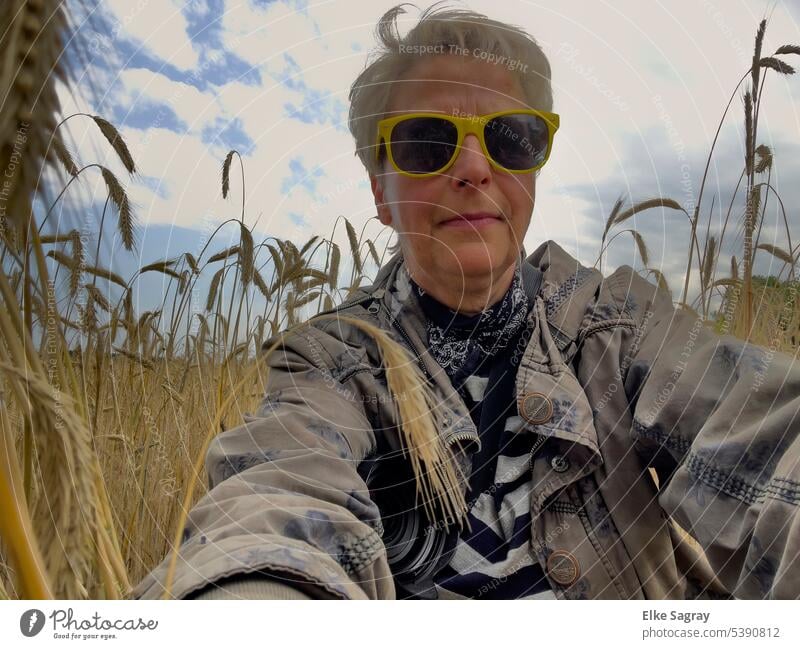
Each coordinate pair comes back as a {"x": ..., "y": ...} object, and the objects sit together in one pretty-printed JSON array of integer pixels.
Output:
[
  {"x": 422, "y": 145},
  {"x": 517, "y": 141}
]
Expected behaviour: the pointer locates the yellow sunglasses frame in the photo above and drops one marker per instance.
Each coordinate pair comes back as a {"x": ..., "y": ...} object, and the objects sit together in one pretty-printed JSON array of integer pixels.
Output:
[{"x": 473, "y": 124}]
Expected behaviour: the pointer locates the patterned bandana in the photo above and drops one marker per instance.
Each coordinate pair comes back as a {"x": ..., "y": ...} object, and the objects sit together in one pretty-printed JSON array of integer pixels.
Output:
[{"x": 459, "y": 342}]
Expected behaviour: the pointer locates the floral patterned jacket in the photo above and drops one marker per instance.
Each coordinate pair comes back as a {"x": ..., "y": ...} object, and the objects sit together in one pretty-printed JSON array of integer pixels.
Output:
[{"x": 614, "y": 378}]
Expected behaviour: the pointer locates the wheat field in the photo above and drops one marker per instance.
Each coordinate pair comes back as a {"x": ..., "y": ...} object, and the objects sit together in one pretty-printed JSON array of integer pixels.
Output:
[{"x": 105, "y": 411}]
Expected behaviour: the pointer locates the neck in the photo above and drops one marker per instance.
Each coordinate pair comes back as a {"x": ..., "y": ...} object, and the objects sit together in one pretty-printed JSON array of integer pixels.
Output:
[{"x": 467, "y": 295}]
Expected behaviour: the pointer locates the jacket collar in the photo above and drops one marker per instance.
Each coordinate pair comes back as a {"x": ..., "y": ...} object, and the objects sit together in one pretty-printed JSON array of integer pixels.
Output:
[{"x": 567, "y": 286}]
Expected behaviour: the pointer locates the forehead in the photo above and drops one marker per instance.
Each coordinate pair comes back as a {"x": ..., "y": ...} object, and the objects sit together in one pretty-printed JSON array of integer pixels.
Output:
[{"x": 451, "y": 82}]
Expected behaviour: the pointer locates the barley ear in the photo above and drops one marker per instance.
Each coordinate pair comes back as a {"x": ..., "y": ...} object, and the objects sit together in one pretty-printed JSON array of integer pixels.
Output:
[
  {"x": 788, "y": 49},
  {"x": 756, "y": 67},
  {"x": 111, "y": 134},
  {"x": 333, "y": 266},
  {"x": 246, "y": 259},
  {"x": 613, "y": 216},
  {"x": 708, "y": 261},
  {"x": 662, "y": 281},
  {"x": 777, "y": 252},
  {"x": 224, "y": 254},
  {"x": 261, "y": 285},
  {"x": 776, "y": 64},
  {"x": 748, "y": 132},
  {"x": 648, "y": 204},
  {"x": 213, "y": 289},
  {"x": 63, "y": 155},
  {"x": 164, "y": 267},
  {"x": 373, "y": 251},
  {"x": 125, "y": 224},
  {"x": 353, "y": 238},
  {"x": 640, "y": 245},
  {"x": 764, "y": 154},
  {"x": 191, "y": 262},
  {"x": 226, "y": 174}
]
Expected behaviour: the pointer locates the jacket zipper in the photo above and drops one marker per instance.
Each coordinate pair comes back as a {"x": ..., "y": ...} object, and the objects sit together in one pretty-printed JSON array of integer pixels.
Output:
[
  {"x": 346, "y": 305},
  {"x": 450, "y": 439},
  {"x": 540, "y": 440},
  {"x": 410, "y": 344}
]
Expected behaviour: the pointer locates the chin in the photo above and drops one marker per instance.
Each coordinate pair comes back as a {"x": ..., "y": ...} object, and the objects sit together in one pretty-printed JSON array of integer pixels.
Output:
[{"x": 476, "y": 260}]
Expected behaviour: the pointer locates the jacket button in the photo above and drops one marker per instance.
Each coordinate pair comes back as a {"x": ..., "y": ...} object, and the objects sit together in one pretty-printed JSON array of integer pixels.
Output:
[
  {"x": 536, "y": 408},
  {"x": 563, "y": 568},
  {"x": 559, "y": 463}
]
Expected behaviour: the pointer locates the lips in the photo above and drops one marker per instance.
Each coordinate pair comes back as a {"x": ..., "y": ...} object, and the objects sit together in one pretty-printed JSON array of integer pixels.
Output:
[
  {"x": 476, "y": 217},
  {"x": 472, "y": 220}
]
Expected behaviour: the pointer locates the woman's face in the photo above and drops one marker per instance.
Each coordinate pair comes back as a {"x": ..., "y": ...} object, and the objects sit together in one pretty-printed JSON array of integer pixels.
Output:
[{"x": 437, "y": 252}]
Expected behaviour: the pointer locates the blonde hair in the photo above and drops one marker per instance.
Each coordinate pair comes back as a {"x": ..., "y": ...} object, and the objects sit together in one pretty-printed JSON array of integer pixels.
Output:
[{"x": 450, "y": 28}]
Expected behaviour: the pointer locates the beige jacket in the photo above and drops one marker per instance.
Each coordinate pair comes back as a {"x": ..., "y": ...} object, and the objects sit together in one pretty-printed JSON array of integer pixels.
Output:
[{"x": 614, "y": 378}]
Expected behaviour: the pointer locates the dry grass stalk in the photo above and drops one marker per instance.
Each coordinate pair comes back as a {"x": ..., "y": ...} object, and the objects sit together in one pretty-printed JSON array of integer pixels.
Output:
[{"x": 438, "y": 483}]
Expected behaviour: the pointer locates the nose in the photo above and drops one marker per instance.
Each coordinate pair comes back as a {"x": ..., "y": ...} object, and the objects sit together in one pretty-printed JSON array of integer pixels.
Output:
[{"x": 471, "y": 165}]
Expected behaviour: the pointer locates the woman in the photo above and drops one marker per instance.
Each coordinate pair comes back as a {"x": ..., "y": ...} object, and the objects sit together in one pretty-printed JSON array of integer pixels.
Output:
[{"x": 556, "y": 389}]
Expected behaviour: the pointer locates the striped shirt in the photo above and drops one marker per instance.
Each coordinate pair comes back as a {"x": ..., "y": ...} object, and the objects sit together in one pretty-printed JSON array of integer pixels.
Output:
[{"x": 493, "y": 559}]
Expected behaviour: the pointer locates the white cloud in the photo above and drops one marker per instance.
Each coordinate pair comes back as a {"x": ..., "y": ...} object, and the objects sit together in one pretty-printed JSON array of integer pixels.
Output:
[
  {"x": 159, "y": 26},
  {"x": 192, "y": 106}
]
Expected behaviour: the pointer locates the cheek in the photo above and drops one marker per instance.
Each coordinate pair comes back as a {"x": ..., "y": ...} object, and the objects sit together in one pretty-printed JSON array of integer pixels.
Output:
[{"x": 416, "y": 204}]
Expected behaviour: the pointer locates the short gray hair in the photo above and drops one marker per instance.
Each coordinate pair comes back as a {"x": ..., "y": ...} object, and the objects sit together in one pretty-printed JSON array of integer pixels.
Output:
[{"x": 468, "y": 30}]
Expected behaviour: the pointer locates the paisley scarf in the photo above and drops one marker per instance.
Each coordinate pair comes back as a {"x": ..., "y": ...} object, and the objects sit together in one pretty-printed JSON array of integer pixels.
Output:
[{"x": 461, "y": 343}]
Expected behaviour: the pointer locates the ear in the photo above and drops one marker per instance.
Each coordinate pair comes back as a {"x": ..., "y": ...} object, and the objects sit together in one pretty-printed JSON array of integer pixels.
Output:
[{"x": 384, "y": 214}]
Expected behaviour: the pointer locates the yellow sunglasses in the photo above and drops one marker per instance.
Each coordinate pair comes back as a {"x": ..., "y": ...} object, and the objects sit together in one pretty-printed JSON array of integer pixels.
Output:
[{"x": 425, "y": 144}]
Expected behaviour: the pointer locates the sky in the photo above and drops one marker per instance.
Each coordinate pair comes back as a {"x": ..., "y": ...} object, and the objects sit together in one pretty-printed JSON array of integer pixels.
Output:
[{"x": 640, "y": 86}]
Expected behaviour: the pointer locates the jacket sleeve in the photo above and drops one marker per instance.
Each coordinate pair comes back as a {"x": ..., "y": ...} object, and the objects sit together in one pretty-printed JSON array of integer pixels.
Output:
[
  {"x": 720, "y": 419},
  {"x": 285, "y": 500}
]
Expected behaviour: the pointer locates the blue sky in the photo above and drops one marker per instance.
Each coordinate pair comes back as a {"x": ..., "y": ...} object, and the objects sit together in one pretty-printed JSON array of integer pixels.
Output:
[{"x": 640, "y": 87}]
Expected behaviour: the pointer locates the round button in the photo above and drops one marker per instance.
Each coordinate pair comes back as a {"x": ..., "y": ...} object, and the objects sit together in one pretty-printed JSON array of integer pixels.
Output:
[
  {"x": 559, "y": 463},
  {"x": 536, "y": 408},
  {"x": 563, "y": 568}
]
